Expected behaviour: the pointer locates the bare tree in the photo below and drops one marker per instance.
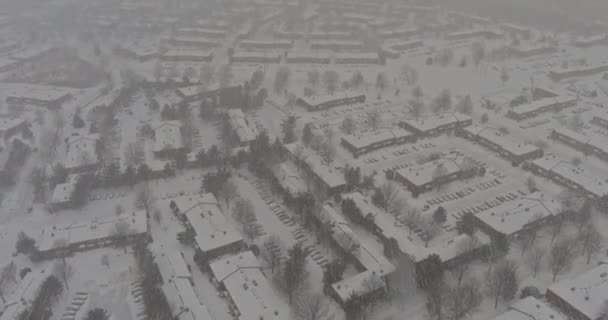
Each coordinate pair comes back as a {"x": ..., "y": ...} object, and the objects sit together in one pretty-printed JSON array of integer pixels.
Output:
[
  {"x": 393, "y": 196},
  {"x": 227, "y": 191},
  {"x": 312, "y": 306},
  {"x": 501, "y": 281},
  {"x": 331, "y": 79},
  {"x": 225, "y": 75},
  {"x": 207, "y": 73},
  {"x": 348, "y": 125},
  {"x": 275, "y": 251},
  {"x": 64, "y": 271},
  {"x": 144, "y": 199},
  {"x": 372, "y": 284},
  {"x": 591, "y": 240},
  {"x": 561, "y": 257},
  {"x": 374, "y": 119},
  {"x": 534, "y": 259},
  {"x": 468, "y": 245},
  {"x": 134, "y": 154},
  {"x": 328, "y": 151},
  {"x": 120, "y": 233},
  {"x": 463, "y": 299},
  {"x": 105, "y": 260}
]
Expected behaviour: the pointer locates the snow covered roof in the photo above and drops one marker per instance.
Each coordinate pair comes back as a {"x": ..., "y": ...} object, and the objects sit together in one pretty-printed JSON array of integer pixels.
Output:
[
  {"x": 176, "y": 53},
  {"x": 425, "y": 173},
  {"x": 38, "y": 92},
  {"x": 330, "y": 176},
  {"x": 586, "y": 292},
  {"x": 511, "y": 217},
  {"x": 168, "y": 136},
  {"x": 576, "y": 175},
  {"x": 245, "y": 130},
  {"x": 249, "y": 289},
  {"x": 428, "y": 123},
  {"x": 530, "y": 308},
  {"x": 541, "y": 103},
  {"x": 63, "y": 191},
  {"x": 360, "y": 141},
  {"x": 31, "y": 53},
  {"x": 212, "y": 229},
  {"x": 494, "y": 136},
  {"x": 56, "y": 236},
  {"x": 10, "y": 123},
  {"x": 254, "y": 54},
  {"x": 81, "y": 151},
  {"x": 289, "y": 177},
  {"x": 328, "y": 97},
  {"x": 22, "y": 296},
  {"x": 182, "y": 298},
  {"x": 600, "y": 143}
]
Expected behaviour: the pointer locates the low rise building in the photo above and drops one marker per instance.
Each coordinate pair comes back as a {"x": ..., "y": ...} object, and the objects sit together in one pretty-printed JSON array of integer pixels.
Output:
[
  {"x": 588, "y": 144},
  {"x": 530, "y": 308},
  {"x": 244, "y": 129},
  {"x": 592, "y": 41},
  {"x": 359, "y": 58},
  {"x": 214, "y": 235},
  {"x": 337, "y": 45},
  {"x": 290, "y": 179},
  {"x": 322, "y": 102},
  {"x": 582, "y": 297},
  {"x": 575, "y": 178},
  {"x": 308, "y": 57},
  {"x": 254, "y": 57},
  {"x": 526, "y": 214},
  {"x": 600, "y": 120},
  {"x": 436, "y": 124},
  {"x": 269, "y": 45},
  {"x": 49, "y": 97},
  {"x": 566, "y": 73},
  {"x": 359, "y": 144},
  {"x": 540, "y": 106},
  {"x": 191, "y": 55},
  {"x": 433, "y": 174},
  {"x": 252, "y": 297},
  {"x": 60, "y": 240},
  {"x": 329, "y": 181},
  {"x": 500, "y": 143},
  {"x": 82, "y": 153},
  {"x": 10, "y": 126},
  {"x": 168, "y": 139}
]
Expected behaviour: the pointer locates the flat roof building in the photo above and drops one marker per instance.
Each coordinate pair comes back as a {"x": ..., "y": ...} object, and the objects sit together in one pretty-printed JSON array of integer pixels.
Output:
[
  {"x": 359, "y": 144},
  {"x": 322, "y": 102},
  {"x": 436, "y": 124}
]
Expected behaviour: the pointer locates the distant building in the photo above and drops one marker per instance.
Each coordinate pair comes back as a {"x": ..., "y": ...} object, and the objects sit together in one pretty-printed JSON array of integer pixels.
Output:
[
  {"x": 192, "y": 42},
  {"x": 202, "y": 32},
  {"x": 600, "y": 120},
  {"x": 526, "y": 52},
  {"x": 587, "y": 42},
  {"x": 337, "y": 45},
  {"x": 516, "y": 30},
  {"x": 252, "y": 297},
  {"x": 581, "y": 297},
  {"x": 48, "y": 97},
  {"x": 215, "y": 236},
  {"x": 565, "y": 73},
  {"x": 8, "y": 65},
  {"x": 359, "y": 58},
  {"x": 140, "y": 53},
  {"x": 192, "y": 55},
  {"x": 308, "y": 57},
  {"x": 62, "y": 194},
  {"x": 543, "y": 105},
  {"x": 322, "y": 102},
  {"x": 11, "y": 126},
  {"x": 435, "y": 125},
  {"x": 575, "y": 178},
  {"x": 500, "y": 143},
  {"x": 589, "y": 145},
  {"x": 254, "y": 57},
  {"x": 274, "y": 45},
  {"x": 359, "y": 144}
]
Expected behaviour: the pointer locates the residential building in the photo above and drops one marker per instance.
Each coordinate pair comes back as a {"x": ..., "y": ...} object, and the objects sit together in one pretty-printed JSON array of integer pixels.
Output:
[
  {"x": 590, "y": 144},
  {"x": 540, "y": 106},
  {"x": 359, "y": 144},
  {"x": 82, "y": 153},
  {"x": 328, "y": 180},
  {"x": 530, "y": 308},
  {"x": 168, "y": 139},
  {"x": 566, "y": 73},
  {"x": 322, "y": 102},
  {"x": 436, "y": 124},
  {"x": 254, "y": 57},
  {"x": 582, "y": 297}
]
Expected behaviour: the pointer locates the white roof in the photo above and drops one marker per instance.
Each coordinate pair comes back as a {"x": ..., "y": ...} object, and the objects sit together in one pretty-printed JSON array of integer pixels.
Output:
[
  {"x": 289, "y": 177},
  {"x": 210, "y": 225},
  {"x": 179, "y": 267},
  {"x": 9, "y": 123},
  {"x": 372, "y": 260},
  {"x": 168, "y": 135},
  {"x": 38, "y": 92},
  {"x": 209, "y": 31},
  {"x": 514, "y": 216},
  {"x": 308, "y": 55},
  {"x": 63, "y": 191},
  {"x": 586, "y": 292},
  {"x": 98, "y": 228},
  {"x": 360, "y": 141},
  {"x": 81, "y": 151},
  {"x": 431, "y": 122},
  {"x": 245, "y": 129},
  {"x": 330, "y": 176},
  {"x": 530, "y": 308},
  {"x": 257, "y": 43},
  {"x": 593, "y": 140},
  {"x": 188, "y": 53},
  {"x": 494, "y": 135},
  {"x": 324, "y": 98},
  {"x": 22, "y": 296},
  {"x": 254, "y": 54},
  {"x": 248, "y": 287},
  {"x": 423, "y": 174},
  {"x": 197, "y": 40},
  {"x": 576, "y": 175},
  {"x": 182, "y": 297},
  {"x": 541, "y": 103}
]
